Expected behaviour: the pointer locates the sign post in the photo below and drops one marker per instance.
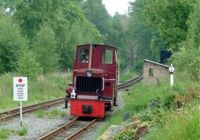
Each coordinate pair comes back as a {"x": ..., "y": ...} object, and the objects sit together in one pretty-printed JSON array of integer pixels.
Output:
[
  {"x": 171, "y": 71},
  {"x": 20, "y": 92}
]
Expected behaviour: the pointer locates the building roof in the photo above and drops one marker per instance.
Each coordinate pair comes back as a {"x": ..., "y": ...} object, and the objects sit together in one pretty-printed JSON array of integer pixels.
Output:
[{"x": 156, "y": 63}]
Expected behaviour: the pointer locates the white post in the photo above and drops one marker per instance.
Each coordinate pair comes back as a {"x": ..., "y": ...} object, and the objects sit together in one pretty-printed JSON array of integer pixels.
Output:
[
  {"x": 171, "y": 71},
  {"x": 20, "y": 113},
  {"x": 118, "y": 77},
  {"x": 171, "y": 79}
]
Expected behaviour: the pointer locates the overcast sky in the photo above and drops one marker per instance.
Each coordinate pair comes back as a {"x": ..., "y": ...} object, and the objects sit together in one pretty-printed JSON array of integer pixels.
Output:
[{"x": 120, "y": 6}]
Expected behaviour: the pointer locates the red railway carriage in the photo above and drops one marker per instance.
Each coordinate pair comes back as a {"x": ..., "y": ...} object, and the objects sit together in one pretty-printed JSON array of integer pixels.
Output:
[{"x": 94, "y": 86}]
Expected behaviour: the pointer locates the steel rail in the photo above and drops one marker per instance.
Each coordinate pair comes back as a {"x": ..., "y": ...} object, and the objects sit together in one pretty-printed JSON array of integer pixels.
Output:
[
  {"x": 130, "y": 82},
  {"x": 15, "y": 112},
  {"x": 58, "y": 130},
  {"x": 62, "y": 130},
  {"x": 79, "y": 132},
  {"x": 27, "y": 109}
]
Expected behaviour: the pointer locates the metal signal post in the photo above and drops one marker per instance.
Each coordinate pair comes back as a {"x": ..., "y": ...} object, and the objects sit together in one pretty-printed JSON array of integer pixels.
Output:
[{"x": 171, "y": 71}]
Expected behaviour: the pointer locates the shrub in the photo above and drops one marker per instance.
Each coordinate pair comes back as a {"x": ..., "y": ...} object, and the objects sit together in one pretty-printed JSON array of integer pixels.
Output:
[
  {"x": 27, "y": 65},
  {"x": 182, "y": 126},
  {"x": 168, "y": 100},
  {"x": 4, "y": 133},
  {"x": 127, "y": 134},
  {"x": 22, "y": 131}
]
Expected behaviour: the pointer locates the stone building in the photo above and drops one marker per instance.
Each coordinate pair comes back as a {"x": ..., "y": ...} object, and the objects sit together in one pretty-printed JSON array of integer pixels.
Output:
[{"x": 153, "y": 72}]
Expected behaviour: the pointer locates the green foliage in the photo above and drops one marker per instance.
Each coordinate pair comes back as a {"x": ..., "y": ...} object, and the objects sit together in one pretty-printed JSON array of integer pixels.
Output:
[
  {"x": 115, "y": 119},
  {"x": 4, "y": 133},
  {"x": 96, "y": 13},
  {"x": 187, "y": 59},
  {"x": 41, "y": 89},
  {"x": 22, "y": 131},
  {"x": 27, "y": 65},
  {"x": 158, "y": 24},
  {"x": 32, "y": 14},
  {"x": 125, "y": 135},
  {"x": 112, "y": 29},
  {"x": 169, "y": 18},
  {"x": 141, "y": 37},
  {"x": 139, "y": 66},
  {"x": 50, "y": 113},
  {"x": 183, "y": 126},
  {"x": 168, "y": 100},
  {"x": 124, "y": 75},
  {"x": 11, "y": 44},
  {"x": 45, "y": 50},
  {"x": 65, "y": 18}
]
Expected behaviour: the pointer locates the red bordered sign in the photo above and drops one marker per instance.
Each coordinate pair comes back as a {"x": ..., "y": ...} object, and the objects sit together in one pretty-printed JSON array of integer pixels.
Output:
[{"x": 20, "y": 88}]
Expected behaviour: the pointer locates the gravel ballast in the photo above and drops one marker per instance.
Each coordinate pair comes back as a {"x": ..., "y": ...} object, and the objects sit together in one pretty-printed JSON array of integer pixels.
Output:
[{"x": 36, "y": 127}]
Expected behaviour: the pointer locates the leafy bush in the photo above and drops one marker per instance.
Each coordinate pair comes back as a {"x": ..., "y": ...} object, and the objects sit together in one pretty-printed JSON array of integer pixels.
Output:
[
  {"x": 27, "y": 65},
  {"x": 4, "y": 133},
  {"x": 139, "y": 66},
  {"x": 187, "y": 61},
  {"x": 182, "y": 126},
  {"x": 168, "y": 100},
  {"x": 127, "y": 134},
  {"x": 22, "y": 131},
  {"x": 188, "y": 58},
  {"x": 11, "y": 44}
]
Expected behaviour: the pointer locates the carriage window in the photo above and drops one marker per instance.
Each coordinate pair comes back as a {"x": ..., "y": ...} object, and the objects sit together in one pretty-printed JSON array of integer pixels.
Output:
[
  {"x": 107, "y": 56},
  {"x": 83, "y": 55}
]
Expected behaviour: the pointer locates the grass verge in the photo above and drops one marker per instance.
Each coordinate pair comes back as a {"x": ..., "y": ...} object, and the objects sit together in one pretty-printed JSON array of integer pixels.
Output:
[
  {"x": 4, "y": 134},
  {"x": 41, "y": 89},
  {"x": 158, "y": 106},
  {"x": 50, "y": 113}
]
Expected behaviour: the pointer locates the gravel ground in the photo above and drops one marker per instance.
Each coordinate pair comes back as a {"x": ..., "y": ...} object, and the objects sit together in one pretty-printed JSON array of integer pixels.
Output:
[{"x": 37, "y": 127}]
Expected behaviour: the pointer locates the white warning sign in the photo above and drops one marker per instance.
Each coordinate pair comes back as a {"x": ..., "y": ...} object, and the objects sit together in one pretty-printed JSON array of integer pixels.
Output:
[{"x": 20, "y": 89}]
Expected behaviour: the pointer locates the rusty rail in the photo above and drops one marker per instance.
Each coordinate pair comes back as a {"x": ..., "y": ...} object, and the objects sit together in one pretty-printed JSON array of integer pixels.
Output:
[
  {"x": 15, "y": 112},
  {"x": 27, "y": 109},
  {"x": 130, "y": 82},
  {"x": 65, "y": 133}
]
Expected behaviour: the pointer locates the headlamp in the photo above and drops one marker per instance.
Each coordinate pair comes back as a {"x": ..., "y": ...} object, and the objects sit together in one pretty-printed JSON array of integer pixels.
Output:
[{"x": 89, "y": 73}]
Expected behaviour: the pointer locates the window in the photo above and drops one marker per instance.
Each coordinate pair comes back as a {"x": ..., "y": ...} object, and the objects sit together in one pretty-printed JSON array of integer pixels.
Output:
[
  {"x": 83, "y": 55},
  {"x": 151, "y": 72},
  {"x": 107, "y": 56}
]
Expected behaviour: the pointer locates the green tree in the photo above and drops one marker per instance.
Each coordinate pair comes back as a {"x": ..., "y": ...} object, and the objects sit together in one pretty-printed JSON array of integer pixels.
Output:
[
  {"x": 139, "y": 36},
  {"x": 44, "y": 48},
  {"x": 155, "y": 25},
  {"x": 96, "y": 13},
  {"x": 33, "y": 14},
  {"x": 78, "y": 31},
  {"x": 169, "y": 18},
  {"x": 11, "y": 44},
  {"x": 187, "y": 59},
  {"x": 64, "y": 18},
  {"x": 111, "y": 28},
  {"x": 27, "y": 65}
]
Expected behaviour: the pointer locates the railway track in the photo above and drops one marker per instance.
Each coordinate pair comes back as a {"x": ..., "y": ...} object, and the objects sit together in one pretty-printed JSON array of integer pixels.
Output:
[
  {"x": 27, "y": 109},
  {"x": 130, "y": 82},
  {"x": 69, "y": 131}
]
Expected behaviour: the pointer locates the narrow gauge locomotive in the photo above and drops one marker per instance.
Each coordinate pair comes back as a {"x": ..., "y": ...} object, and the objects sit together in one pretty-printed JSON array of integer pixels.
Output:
[{"x": 94, "y": 85}]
